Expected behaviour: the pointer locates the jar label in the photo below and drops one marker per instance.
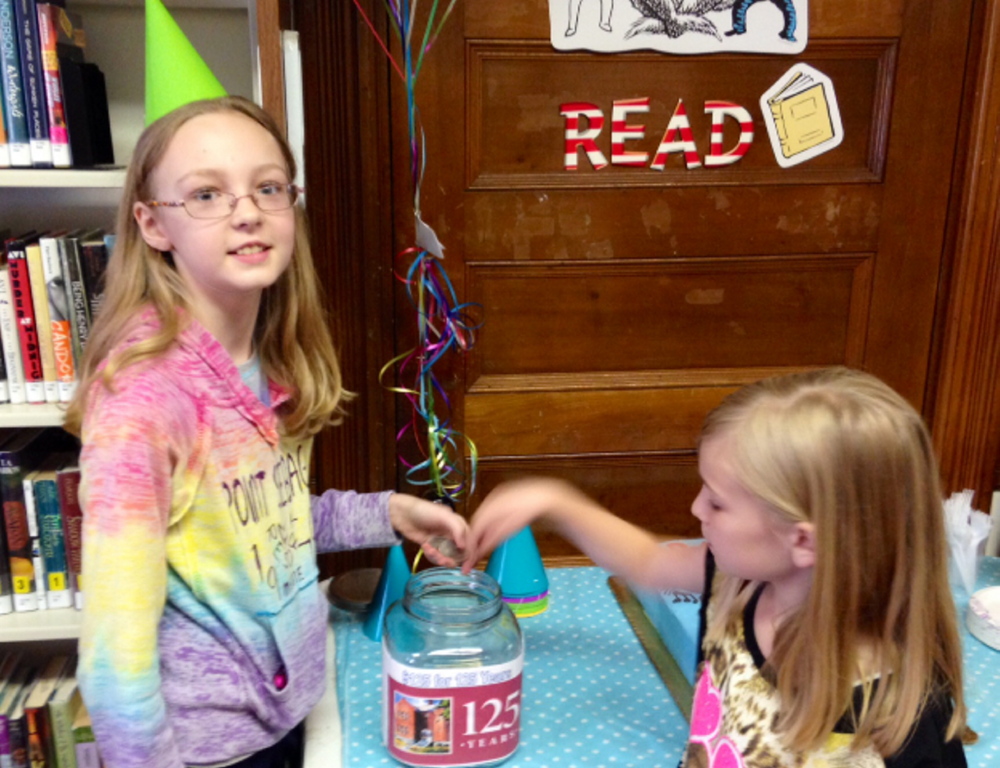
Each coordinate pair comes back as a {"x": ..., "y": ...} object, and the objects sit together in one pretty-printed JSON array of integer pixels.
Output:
[{"x": 451, "y": 716}]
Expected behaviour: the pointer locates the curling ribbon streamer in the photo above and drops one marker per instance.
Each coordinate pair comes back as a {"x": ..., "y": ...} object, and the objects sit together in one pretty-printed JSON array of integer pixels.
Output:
[{"x": 443, "y": 324}]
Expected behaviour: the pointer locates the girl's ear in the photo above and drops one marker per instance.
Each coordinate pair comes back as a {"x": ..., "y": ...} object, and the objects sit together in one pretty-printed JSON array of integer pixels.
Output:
[
  {"x": 150, "y": 228},
  {"x": 804, "y": 545}
]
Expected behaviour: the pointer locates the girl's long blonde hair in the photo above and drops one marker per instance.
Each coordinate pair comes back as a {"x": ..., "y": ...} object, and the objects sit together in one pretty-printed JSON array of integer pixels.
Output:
[
  {"x": 840, "y": 449},
  {"x": 292, "y": 335}
]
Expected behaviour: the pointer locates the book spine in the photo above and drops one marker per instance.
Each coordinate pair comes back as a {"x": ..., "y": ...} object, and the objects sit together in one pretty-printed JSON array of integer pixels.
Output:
[
  {"x": 40, "y": 303},
  {"x": 76, "y": 295},
  {"x": 4, "y": 389},
  {"x": 6, "y": 582},
  {"x": 11, "y": 344},
  {"x": 57, "y": 591},
  {"x": 24, "y": 313},
  {"x": 4, "y": 152},
  {"x": 93, "y": 262},
  {"x": 15, "y": 114},
  {"x": 68, "y": 482},
  {"x": 34, "y": 718},
  {"x": 18, "y": 742},
  {"x": 34, "y": 84},
  {"x": 15, "y": 521},
  {"x": 59, "y": 321},
  {"x": 47, "y": 19},
  {"x": 61, "y": 730},
  {"x": 5, "y": 758},
  {"x": 36, "y": 543}
]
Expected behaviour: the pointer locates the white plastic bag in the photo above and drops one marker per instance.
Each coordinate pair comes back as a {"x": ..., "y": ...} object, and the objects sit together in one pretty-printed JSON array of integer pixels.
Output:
[{"x": 966, "y": 529}]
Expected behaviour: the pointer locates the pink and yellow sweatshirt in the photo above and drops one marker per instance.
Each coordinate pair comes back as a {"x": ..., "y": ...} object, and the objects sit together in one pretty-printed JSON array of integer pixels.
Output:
[{"x": 204, "y": 628}]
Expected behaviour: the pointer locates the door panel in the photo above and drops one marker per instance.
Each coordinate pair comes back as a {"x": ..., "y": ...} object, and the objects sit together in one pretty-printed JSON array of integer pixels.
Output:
[{"x": 620, "y": 305}]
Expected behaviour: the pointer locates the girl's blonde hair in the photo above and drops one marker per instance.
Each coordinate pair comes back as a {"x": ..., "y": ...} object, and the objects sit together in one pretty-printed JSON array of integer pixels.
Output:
[
  {"x": 292, "y": 335},
  {"x": 840, "y": 449}
]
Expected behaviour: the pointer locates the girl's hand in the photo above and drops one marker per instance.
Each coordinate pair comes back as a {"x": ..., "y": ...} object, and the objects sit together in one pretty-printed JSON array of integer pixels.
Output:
[
  {"x": 435, "y": 527},
  {"x": 511, "y": 507}
]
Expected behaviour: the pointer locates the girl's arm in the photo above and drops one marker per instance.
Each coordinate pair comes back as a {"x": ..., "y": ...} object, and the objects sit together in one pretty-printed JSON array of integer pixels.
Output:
[
  {"x": 125, "y": 493},
  {"x": 609, "y": 541},
  {"x": 349, "y": 520}
]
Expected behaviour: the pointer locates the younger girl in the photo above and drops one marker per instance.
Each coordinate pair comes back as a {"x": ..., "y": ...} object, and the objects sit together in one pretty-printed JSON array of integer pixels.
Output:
[
  {"x": 208, "y": 372},
  {"x": 830, "y": 636}
]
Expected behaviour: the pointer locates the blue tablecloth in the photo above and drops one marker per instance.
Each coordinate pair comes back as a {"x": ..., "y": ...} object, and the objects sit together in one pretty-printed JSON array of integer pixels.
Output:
[{"x": 591, "y": 695}]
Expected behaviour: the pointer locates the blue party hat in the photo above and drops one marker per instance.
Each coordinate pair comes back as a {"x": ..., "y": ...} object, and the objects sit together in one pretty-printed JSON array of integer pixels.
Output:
[
  {"x": 391, "y": 586},
  {"x": 517, "y": 566}
]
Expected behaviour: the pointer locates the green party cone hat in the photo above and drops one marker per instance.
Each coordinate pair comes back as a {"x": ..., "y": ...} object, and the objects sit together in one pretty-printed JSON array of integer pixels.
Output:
[{"x": 175, "y": 73}]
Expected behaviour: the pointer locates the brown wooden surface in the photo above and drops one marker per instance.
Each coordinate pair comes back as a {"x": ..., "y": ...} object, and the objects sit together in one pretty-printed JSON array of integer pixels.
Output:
[
  {"x": 616, "y": 299},
  {"x": 679, "y": 279},
  {"x": 272, "y": 84},
  {"x": 967, "y": 406}
]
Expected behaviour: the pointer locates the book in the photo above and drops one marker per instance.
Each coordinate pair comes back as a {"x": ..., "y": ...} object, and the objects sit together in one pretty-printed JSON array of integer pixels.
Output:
[
  {"x": 8, "y": 688},
  {"x": 801, "y": 114},
  {"x": 19, "y": 455},
  {"x": 12, "y": 730},
  {"x": 93, "y": 264},
  {"x": 14, "y": 455},
  {"x": 68, "y": 484},
  {"x": 43, "y": 325},
  {"x": 98, "y": 115},
  {"x": 34, "y": 84},
  {"x": 50, "y": 529},
  {"x": 4, "y": 389},
  {"x": 48, "y": 24},
  {"x": 60, "y": 323},
  {"x": 76, "y": 293},
  {"x": 15, "y": 113},
  {"x": 24, "y": 316},
  {"x": 8, "y": 333},
  {"x": 6, "y": 582},
  {"x": 87, "y": 755},
  {"x": 63, "y": 706},
  {"x": 36, "y": 709},
  {"x": 4, "y": 152},
  {"x": 42, "y": 603}
]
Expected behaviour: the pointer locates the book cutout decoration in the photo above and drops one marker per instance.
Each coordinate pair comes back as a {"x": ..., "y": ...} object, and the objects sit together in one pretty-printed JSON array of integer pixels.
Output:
[
  {"x": 680, "y": 26},
  {"x": 801, "y": 114}
]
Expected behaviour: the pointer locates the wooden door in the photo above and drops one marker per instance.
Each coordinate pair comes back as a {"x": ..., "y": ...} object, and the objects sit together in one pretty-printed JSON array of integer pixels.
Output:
[{"x": 619, "y": 305}]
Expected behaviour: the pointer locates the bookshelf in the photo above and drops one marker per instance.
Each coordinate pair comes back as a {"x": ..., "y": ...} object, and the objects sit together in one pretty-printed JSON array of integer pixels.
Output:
[{"x": 225, "y": 32}]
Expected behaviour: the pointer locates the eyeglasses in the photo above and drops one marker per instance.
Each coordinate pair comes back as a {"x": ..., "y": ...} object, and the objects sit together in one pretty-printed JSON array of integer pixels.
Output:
[{"x": 208, "y": 203}]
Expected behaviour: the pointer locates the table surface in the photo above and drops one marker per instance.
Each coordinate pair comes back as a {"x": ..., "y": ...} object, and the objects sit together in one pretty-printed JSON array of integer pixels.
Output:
[{"x": 591, "y": 695}]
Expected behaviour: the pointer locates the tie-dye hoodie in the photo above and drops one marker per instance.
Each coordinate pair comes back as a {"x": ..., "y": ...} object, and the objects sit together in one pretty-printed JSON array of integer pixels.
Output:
[{"x": 203, "y": 629}]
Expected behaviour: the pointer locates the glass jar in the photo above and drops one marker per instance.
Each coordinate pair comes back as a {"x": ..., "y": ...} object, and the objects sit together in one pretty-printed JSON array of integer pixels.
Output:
[{"x": 452, "y": 657}]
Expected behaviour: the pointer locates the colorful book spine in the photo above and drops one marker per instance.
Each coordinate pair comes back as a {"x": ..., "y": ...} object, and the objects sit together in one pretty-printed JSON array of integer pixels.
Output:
[
  {"x": 36, "y": 543},
  {"x": 15, "y": 114},
  {"x": 4, "y": 152},
  {"x": 76, "y": 293},
  {"x": 48, "y": 19},
  {"x": 11, "y": 344},
  {"x": 34, "y": 83},
  {"x": 68, "y": 483},
  {"x": 24, "y": 314},
  {"x": 62, "y": 707},
  {"x": 60, "y": 324},
  {"x": 12, "y": 732},
  {"x": 40, "y": 302},
  {"x": 15, "y": 518},
  {"x": 36, "y": 710},
  {"x": 94, "y": 253},
  {"x": 50, "y": 526}
]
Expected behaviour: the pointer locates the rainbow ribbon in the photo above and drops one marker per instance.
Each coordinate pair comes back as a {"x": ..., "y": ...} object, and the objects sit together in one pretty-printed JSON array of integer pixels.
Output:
[{"x": 443, "y": 324}]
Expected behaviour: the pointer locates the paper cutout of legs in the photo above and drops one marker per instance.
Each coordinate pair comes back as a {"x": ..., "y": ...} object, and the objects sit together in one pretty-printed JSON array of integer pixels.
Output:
[
  {"x": 391, "y": 586},
  {"x": 517, "y": 566},
  {"x": 787, "y": 8},
  {"x": 607, "y": 6}
]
